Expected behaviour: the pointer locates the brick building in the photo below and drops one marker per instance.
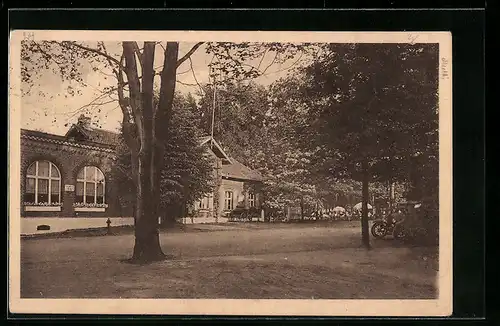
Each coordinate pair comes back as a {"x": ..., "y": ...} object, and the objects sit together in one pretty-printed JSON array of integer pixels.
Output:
[
  {"x": 66, "y": 184},
  {"x": 65, "y": 179}
]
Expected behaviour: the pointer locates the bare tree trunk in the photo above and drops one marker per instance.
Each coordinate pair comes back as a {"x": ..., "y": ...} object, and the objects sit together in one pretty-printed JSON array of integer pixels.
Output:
[
  {"x": 147, "y": 243},
  {"x": 365, "y": 234},
  {"x": 144, "y": 130}
]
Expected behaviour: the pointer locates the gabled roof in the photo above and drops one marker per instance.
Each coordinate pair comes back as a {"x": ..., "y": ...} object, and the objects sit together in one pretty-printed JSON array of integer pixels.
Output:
[
  {"x": 216, "y": 148},
  {"x": 99, "y": 136},
  {"x": 231, "y": 168},
  {"x": 238, "y": 170}
]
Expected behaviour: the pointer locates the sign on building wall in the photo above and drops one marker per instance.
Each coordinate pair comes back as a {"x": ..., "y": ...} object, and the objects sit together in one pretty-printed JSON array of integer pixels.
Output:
[{"x": 69, "y": 188}]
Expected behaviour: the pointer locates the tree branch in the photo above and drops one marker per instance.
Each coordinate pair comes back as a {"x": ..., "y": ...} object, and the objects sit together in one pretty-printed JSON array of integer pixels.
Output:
[
  {"x": 129, "y": 132},
  {"x": 189, "y": 53},
  {"x": 262, "y": 59},
  {"x": 272, "y": 62},
  {"x": 138, "y": 53},
  {"x": 86, "y": 48},
  {"x": 93, "y": 102},
  {"x": 167, "y": 88},
  {"x": 115, "y": 71},
  {"x": 134, "y": 88},
  {"x": 194, "y": 75},
  {"x": 284, "y": 69}
]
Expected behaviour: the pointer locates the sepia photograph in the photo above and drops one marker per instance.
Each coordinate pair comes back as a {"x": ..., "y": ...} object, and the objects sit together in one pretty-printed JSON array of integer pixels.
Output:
[{"x": 248, "y": 173}]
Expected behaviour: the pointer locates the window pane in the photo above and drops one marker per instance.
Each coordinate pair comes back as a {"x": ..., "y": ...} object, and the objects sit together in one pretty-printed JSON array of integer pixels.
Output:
[
  {"x": 43, "y": 186},
  {"x": 90, "y": 173},
  {"x": 43, "y": 191},
  {"x": 43, "y": 169},
  {"x": 43, "y": 198},
  {"x": 79, "y": 198},
  {"x": 100, "y": 176},
  {"x": 79, "y": 189},
  {"x": 31, "y": 169},
  {"x": 30, "y": 185},
  {"x": 90, "y": 189},
  {"x": 89, "y": 199},
  {"x": 90, "y": 193},
  {"x": 54, "y": 198},
  {"x": 100, "y": 189},
  {"x": 100, "y": 199},
  {"x": 80, "y": 175},
  {"x": 54, "y": 186},
  {"x": 54, "y": 173},
  {"x": 29, "y": 197}
]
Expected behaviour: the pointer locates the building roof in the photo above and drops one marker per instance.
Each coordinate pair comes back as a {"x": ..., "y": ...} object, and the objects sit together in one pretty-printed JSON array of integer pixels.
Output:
[
  {"x": 41, "y": 134},
  {"x": 231, "y": 168},
  {"x": 216, "y": 148},
  {"x": 238, "y": 170},
  {"x": 63, "y": 140},
  {"x": 95, "y": 135}
]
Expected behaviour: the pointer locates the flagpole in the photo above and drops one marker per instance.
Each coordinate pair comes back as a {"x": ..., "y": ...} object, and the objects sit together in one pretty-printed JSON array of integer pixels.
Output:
[{"x": 213, "y": 110}]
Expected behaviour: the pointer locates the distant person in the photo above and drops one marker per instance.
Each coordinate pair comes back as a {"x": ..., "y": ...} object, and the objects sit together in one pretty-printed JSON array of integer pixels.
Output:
[{"x": 398, "y": 220}]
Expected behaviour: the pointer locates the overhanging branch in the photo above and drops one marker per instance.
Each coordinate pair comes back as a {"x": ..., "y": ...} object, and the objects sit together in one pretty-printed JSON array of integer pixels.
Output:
[
  {"x": 93, "y": 50},
  {"x": 189, "y": 53}
]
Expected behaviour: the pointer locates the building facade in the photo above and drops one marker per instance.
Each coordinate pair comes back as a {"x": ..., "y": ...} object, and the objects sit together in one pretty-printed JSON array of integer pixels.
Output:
[
  {"x": 237, "y": 187},
  {"x": 66, "y": 183}
]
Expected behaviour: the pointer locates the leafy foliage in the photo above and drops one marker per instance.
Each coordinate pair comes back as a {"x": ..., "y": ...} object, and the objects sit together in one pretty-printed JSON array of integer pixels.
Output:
[
  {"x": 368, "y": 112},
  {"x": 239, "y": 117},
  {"x": 188, "y": 172},
  {"x": 229, "y": 59},
  {"x": 70, "y": 60},
  {"x": 367, "y": 101}
]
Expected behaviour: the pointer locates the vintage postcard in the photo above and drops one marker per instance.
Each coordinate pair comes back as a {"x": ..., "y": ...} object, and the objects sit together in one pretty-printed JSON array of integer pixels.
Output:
[{"x": 230, "y": 173}]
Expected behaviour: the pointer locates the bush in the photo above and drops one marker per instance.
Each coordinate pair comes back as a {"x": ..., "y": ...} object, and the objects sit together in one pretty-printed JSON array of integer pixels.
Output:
[{"x": 424, "y": 229}]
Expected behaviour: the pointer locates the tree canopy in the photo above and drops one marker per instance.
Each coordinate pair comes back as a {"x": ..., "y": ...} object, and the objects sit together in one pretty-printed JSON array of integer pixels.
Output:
[
  {"x": 368, "y": 111},
  {"x": 367, "y": 101}
]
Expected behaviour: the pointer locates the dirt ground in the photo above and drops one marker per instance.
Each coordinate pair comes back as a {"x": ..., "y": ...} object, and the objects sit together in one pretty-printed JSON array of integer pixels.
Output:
[{"x": 237, "y": 262}]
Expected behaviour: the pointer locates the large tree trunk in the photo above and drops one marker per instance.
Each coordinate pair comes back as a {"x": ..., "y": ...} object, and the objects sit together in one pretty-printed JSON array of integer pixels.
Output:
[
  {"x": 365, "y": 234},
  {"x": 147, "y": 243},
  {"x": 143, "y": 129},
  {"x": 156, "y": 122}
]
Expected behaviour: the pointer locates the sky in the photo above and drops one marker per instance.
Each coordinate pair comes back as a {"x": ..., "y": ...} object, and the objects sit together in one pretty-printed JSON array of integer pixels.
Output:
[{"x": 50, "y": 109}]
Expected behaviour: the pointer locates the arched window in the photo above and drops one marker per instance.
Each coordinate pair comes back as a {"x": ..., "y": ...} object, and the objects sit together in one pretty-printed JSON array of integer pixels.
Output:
[
  {"x": 90, "y": 186},
  {"x": 43, "y": 183}
]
